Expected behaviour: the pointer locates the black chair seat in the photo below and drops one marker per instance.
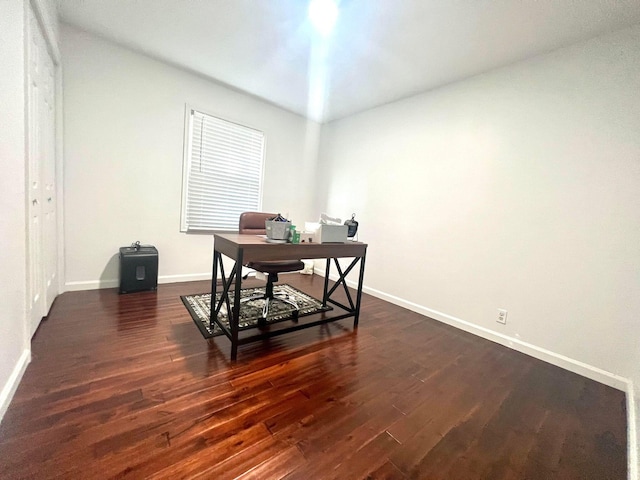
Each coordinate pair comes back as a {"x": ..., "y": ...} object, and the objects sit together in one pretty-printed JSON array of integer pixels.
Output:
[{"x": 277, "y": 266}]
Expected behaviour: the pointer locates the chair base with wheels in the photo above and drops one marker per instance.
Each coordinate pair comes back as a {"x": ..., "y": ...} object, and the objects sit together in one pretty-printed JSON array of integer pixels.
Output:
[{"x": 269, "y": 297}]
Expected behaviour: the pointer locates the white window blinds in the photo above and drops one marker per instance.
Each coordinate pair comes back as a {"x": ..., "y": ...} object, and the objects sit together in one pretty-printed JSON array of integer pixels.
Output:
[{"x": 223, "y": 173}]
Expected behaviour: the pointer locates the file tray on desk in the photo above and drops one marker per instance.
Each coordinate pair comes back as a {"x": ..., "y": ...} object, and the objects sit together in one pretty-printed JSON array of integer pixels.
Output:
[{"x": 331, "y": 234}]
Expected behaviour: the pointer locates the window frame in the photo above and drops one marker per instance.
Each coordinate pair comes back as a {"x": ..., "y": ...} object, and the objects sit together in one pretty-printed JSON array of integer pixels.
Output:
[{"x": 187, "y": 162}]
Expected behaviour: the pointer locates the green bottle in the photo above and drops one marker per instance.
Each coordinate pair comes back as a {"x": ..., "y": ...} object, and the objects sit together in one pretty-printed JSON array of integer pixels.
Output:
[{"x": 294, "y": 237}]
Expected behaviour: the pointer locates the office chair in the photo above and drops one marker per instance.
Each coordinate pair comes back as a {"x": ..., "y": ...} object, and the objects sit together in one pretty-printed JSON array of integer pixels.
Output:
[{"x": 252, "y": 223}]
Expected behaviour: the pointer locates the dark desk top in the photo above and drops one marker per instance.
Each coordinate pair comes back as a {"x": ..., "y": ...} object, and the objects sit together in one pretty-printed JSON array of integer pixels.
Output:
[{"x": 255, "y": 247}]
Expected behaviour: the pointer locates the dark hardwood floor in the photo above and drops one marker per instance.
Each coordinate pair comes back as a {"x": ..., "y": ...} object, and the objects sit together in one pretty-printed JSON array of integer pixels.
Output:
[{"x": 124, "y": 386}]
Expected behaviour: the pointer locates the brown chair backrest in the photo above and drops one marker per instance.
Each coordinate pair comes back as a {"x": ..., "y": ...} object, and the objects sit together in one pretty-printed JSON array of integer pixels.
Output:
[{"x": 252, "y": 223}]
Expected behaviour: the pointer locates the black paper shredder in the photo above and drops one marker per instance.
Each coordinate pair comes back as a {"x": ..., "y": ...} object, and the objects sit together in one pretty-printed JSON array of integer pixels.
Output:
[{"x": 138, "y": 268}]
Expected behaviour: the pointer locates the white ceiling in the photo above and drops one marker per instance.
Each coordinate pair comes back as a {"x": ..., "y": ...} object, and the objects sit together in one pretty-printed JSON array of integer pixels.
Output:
[{"x": 380, "y": 50}]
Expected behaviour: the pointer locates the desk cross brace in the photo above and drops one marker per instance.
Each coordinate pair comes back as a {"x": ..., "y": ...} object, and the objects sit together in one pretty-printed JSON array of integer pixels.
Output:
[
  {"x": 341, "y": 281},
  {"x": 215, "y": 306}
]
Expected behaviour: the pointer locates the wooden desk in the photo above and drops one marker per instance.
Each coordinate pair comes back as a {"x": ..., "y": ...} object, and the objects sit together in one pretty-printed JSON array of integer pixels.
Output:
[{"x": 246, "y": 248}]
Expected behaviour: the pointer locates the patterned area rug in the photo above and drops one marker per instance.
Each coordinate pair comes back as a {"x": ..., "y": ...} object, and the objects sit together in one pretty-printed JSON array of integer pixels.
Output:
[{"x": 251, "y": 311}]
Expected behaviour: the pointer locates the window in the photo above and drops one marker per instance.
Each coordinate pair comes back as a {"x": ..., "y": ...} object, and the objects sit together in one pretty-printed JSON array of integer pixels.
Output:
[{"x": 222, "y": 173}]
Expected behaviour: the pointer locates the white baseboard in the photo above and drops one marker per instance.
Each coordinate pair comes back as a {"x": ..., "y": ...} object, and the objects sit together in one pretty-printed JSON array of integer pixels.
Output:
[
  {"x": 11, "y": 386},
  {"x": 540, "y": 353},
  {"x": 113, "y": 283},
  {"x": 575, "y": 366},
  {"x": 191, "y": 277},
  {"x": 90, "y": 285}
]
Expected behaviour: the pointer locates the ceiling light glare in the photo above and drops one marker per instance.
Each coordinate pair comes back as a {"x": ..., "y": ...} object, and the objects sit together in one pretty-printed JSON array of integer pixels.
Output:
[{"x": 323, "y": 15}]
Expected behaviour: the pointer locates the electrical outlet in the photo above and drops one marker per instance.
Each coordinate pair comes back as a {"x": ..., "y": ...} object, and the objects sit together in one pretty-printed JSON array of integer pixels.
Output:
[{"x": 502, "y": 316}]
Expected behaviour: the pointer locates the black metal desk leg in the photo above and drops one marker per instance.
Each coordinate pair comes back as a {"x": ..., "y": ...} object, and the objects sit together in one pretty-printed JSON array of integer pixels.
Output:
[
  {"x": 214, "y": 284},
  {"x": 235, "y": 317},
  {"x": 359, "y": 294},
  {"x": 325, "y": 295}
]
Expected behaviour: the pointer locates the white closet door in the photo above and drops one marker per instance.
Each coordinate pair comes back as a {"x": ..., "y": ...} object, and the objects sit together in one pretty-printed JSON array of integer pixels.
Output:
[
  {"x": 42, "y": 235},
  {"x": 49, "y": 218}
]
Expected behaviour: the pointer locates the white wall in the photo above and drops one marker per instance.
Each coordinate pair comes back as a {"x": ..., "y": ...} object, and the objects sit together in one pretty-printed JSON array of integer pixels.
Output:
[
  {"x": 14, "y": 342},
  {"x": 124, "y": 129},
  {"x": 517, "y": 189}
]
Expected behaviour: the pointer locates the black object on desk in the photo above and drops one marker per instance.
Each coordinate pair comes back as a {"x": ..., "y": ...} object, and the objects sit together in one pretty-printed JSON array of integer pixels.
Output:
[{"x": 138, "y": 268}]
